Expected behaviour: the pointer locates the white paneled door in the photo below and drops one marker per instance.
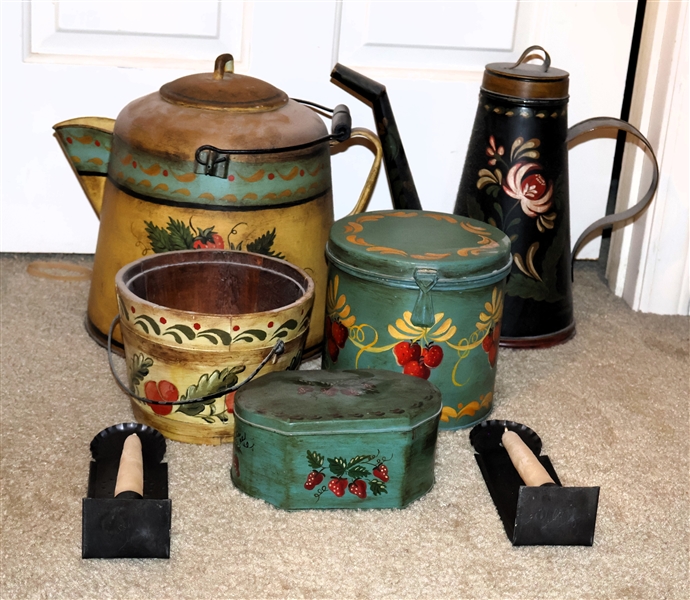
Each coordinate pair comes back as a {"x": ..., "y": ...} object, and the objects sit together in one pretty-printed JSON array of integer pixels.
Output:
[{"x": 62, "y": 60}]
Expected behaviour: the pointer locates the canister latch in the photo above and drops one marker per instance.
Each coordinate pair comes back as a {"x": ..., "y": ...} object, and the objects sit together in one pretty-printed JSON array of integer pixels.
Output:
[{"x": 423, "y": 313}]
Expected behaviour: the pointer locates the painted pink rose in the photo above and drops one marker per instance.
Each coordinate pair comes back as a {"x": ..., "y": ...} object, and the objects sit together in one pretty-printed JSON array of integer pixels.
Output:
[{"x": 525, "y": 183}]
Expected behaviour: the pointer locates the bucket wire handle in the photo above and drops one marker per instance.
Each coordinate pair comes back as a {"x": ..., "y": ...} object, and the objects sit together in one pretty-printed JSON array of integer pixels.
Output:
[{"x": 277, "y": 350}]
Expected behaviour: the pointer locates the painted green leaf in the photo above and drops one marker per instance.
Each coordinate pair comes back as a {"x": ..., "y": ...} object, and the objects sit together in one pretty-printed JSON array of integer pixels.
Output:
[
  {"x": 514, "y": 222},
  {"x": 264, "y": 244},
  {"x": 184, "y": 329},
  {"x": 498, "y": 209},
  {"x": 338, "y": 466},
  {"x": 158, "y": 237},
  {"x": 359, "y": 459},
  {"x": 181, "y": 237},
  {"x": 215, "y": 382},
  {"x": 140, "y": 368},
  {"x": 377, "y": 487},
  {"x": 224, "y": 336},
  {"x": 177, "y": 337},
  {"x": 285, "y": 329},
  {"x": 359, "y": 472},
  {"x": 191, "y": 410},
  {"x": 152, "y": 323},
  {"x": 249, "y": 334},
  {"x": 210, "y": 338},
  {"x": 315, "y": 459}
]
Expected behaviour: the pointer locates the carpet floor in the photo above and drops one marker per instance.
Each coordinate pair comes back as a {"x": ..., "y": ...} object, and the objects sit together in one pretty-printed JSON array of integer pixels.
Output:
[{"x": 611, "y": 407}]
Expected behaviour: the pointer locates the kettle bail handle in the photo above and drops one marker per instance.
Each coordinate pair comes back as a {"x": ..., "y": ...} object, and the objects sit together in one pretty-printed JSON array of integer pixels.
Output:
[
  {"x": 525, "y": 54},
  {"x": 225, "y": 63}
]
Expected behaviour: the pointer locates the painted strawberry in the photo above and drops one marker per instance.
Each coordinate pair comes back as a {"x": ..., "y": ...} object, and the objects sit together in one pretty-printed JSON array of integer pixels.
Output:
[
  {"x": 236, "y": 465},
  {"x": 313, "y": 479},
  {"x": 381, "y": 471},
  {"x": 338, "y": 485},
  {"x": 406, "y": 352},
  {"x": 162, "y": 391},
  {"x": 418, "y": 369},
  {"x": 359, "y": 488},
  {"x": 230, "y": 402},
  {"x": 207, "y": 238},
  {"x": 490, "y": 343},
  {"x": 432, "y": 355},
  {"x": 339, "y": 333},
  {"x": 333, "y": 350}
]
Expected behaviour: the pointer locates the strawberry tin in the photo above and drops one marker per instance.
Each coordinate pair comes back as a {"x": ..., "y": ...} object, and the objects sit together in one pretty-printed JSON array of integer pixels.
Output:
[
  {"x": 420, "y": 293},
  {"x": 336, "y": 439}
]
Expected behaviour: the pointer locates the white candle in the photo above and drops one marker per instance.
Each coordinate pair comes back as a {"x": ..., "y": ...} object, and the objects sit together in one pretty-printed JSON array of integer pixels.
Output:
[
  {"x": 526, "y": 464},
  {"x": 130, "y": 475}
]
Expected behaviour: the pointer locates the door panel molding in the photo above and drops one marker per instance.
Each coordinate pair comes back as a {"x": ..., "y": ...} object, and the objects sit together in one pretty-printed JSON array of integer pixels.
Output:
[{"x": 142, "y": 35}]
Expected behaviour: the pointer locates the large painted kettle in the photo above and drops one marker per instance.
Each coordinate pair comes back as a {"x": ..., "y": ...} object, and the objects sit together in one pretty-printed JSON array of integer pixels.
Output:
[
  {"x": 515, "y": 178},
  {"x": 212, "y": 160}
]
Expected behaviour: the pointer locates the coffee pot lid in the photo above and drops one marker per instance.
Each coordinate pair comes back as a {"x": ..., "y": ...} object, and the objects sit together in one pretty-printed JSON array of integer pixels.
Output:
[
  {"x": 224, "y": 90},
  {"x": 527, "y": 81}
]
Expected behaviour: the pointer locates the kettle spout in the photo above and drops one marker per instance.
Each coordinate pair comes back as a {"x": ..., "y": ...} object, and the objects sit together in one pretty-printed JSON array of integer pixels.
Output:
[
  {"x": 400, "y": 182},
  {"x": 87, "y": 142}
]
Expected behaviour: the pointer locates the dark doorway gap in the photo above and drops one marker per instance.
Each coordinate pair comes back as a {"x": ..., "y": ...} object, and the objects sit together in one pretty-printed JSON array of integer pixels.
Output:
[{"x": 620, "y": 140}]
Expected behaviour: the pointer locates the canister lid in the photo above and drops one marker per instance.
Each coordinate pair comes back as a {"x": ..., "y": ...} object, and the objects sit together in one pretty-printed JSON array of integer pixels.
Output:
[
  {"x": 224, "y": 90},
  {"x": 396, "y": 244},
  {"x": 314, "y": 402},
  {"x": 525, "y": 80}
]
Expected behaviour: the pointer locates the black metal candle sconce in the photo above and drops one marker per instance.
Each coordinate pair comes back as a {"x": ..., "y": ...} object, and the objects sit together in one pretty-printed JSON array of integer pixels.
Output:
[
  {"x": 546, "y": 515},
  {"x": 126, "y": 526}
]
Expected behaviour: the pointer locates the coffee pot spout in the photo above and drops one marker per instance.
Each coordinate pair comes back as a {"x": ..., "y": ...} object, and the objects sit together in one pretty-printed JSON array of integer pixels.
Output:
[
  {"x": 402, "y": 187},
  {"x": 87, "y": 142}
]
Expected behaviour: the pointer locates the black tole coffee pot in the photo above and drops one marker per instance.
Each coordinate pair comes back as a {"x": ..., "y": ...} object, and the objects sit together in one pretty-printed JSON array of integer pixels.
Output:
[{"x": 515, "y": 178}]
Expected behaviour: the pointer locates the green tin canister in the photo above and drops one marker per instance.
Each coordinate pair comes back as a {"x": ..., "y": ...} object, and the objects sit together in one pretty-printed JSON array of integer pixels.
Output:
[
  {"x": 336, "y": 439},
  {"x": 420, "y": 293}
]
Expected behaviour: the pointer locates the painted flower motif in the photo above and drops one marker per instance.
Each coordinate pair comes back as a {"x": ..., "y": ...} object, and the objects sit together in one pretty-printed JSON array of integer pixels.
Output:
[
  {"x": 467, "y": 410},
  {"x": 529, "y": 187},
  {"x": 494, "y": 311},
  {"x": 440, "y": 331},
  {"x": 492, "y": 150}
]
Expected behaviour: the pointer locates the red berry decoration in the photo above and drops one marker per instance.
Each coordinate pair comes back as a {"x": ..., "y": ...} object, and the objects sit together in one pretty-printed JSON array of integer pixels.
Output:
[
  {"x": 432, "y": 355},
  {"x": 418, "y": 369},
  {"x": 490, "y": 343},
  {"x": 313, "y": 479},
  {"x": 333, "y": 350},
  {"x": 381, "y": 471},
  {"x": 338, "y": 485},
  {"x": 406, "y": 352},
  {"x": 163, "y": 391},
  {"x": 230, "y": 402},
  {"x": 359, "y": 488},
  {"x": 339, "y": 333}
]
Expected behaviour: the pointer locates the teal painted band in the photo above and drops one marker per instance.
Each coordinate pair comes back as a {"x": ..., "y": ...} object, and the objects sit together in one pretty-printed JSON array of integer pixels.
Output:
[
  {"x": 339, "y": 431},
  {"x": 455, "y": 284}
]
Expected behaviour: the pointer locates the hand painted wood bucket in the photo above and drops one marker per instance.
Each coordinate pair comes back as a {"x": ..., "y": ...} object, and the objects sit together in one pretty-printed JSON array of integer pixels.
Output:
[{"x": 195, "y": 323}]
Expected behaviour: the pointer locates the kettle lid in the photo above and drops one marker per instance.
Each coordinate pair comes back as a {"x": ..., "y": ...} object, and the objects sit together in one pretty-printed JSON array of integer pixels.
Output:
[
  {"x": 526, "y": 81},
  {"x": 224, "y": 90}
]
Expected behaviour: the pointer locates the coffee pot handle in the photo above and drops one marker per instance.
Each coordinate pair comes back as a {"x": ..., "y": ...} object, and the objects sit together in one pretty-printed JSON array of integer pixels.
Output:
[
  {"x": 593, "y": 124},
  {"x": 370, "y": 182}
]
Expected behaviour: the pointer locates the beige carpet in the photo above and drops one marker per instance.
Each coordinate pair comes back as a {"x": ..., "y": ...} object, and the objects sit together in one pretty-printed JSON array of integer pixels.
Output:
[{"x": 611, "y": 407}]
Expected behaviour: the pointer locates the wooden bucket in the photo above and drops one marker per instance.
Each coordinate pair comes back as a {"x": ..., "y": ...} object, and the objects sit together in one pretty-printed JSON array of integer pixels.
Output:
[{"x": 196, "y": 323}]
